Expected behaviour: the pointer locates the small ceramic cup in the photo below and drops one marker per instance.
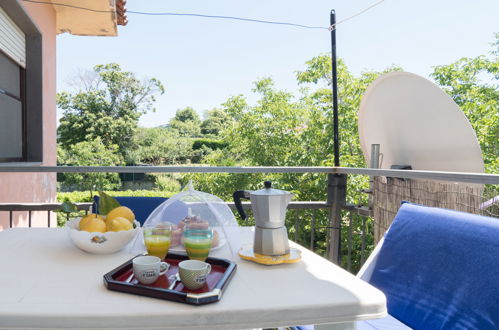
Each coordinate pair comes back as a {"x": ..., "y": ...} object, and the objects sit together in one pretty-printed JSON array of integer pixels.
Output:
[
  {"x": 193, "y": 273},
  {"x": 147, "y": 269}
]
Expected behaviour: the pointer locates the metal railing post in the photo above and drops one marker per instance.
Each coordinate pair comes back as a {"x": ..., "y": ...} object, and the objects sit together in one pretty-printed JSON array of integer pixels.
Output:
[
  {"x": 374, "y": 163},
  {"x": 336, "y": 199}
]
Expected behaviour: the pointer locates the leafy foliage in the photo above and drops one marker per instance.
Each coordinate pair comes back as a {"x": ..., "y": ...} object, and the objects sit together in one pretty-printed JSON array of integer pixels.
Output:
[
  {"x": 209, "y": 143},
  {"x": 90, "y": 153},
  {"x": 67, "y": 207},
  {"x": 107, "y": 203},
  {"x": 286, "y": 129},
  {"x": 216, "y": 121},
  {"x": 186, "y": 122},
  {"x": 167, "y": 182},
  {"x": 473, "y": 84},
  {"x": 268, "y": 133},
  {"x": 283, "y": 129},
  {"x": 84, "y": 197},
  {"x": 160, "y": 146},
  {"x": 107, "y": 105},
  {"x": 187, "y": 114}
]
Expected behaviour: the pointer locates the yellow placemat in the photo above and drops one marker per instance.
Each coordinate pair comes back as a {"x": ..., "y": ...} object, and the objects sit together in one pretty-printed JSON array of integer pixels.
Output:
[{"x": 246, "y": 252}]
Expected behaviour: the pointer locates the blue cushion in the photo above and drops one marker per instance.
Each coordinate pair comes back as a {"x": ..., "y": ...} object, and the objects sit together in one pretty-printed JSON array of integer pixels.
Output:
[
  {"x": 386, "y": 323},
  {"x": 439, "y": 269},
  {"x": 141, "y": 206}
]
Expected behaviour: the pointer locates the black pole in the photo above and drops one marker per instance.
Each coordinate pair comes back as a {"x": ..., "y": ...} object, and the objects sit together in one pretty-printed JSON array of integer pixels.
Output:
[
  {"x": 336, "y": 192},
  {"x": 336, "y": 137}
]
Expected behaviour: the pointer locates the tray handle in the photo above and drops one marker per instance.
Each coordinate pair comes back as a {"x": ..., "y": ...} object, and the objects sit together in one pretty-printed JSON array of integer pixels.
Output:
[{"x": 205, "y": 297}]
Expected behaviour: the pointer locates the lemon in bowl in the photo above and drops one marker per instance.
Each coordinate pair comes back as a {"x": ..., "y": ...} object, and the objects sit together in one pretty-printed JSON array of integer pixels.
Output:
[
  {"x": 120, "y": 212},
  {"x": 92, "y": 223},
  {"x": 96, "y": 234},
  {"x": 119, "y": 224}
]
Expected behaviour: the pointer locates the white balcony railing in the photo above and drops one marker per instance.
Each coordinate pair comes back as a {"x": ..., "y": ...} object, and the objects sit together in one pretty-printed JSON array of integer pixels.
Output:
[{"x": 304, "y": 213}]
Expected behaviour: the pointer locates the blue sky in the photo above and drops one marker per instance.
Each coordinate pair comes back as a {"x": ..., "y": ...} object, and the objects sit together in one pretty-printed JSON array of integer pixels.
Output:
[{"x": 204, "y": 61}]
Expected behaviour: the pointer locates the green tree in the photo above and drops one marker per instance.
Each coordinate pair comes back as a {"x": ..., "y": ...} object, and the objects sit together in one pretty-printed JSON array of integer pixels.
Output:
[
  {"x": 187, "y": 114},
  {"x": 287, "y": 130},
  {"x": 186, "y": 122},
  {"x": 283, "y": 129},
  {"x": 473, "y": 83},
  {"x": 267, "y": 133},
  {"x": 107, "y": 104},
  {"x": 90, "y": 153},
  {"x": 215, "y": 121},
  {"x": 160, "y": 146},
  {"x": 319, "y": 133}
]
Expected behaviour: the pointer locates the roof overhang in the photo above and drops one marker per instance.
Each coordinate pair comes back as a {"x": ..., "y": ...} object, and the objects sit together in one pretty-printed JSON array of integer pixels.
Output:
[{"x": 99, "y": 18}]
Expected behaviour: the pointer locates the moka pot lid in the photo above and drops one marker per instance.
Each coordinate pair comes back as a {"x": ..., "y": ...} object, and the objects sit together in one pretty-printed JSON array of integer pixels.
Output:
[{"x": 268, "y": 191}]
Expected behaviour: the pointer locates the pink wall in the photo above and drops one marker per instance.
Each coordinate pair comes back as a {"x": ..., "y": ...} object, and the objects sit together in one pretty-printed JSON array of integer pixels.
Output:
[{"x": 37, "y": 187}]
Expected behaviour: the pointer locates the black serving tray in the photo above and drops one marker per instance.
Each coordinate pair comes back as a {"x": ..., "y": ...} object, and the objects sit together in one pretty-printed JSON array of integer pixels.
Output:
[{"x": 222, "y": 271}]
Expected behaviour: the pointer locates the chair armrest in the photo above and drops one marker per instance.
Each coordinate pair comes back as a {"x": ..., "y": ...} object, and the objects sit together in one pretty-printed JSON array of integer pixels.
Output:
[{"x": 367, "y": 269}]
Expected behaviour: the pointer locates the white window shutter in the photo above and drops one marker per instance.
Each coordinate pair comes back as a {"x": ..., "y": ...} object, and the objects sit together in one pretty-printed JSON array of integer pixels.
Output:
[{"x": 12, "y": 40}]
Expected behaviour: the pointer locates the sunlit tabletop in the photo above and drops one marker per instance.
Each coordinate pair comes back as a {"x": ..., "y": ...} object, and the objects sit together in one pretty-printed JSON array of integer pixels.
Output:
[{"x": 46, "y": 282}]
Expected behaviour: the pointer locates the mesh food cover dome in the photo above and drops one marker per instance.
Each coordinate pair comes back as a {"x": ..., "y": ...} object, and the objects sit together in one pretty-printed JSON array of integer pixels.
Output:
[{"x": 192, "y": 206}]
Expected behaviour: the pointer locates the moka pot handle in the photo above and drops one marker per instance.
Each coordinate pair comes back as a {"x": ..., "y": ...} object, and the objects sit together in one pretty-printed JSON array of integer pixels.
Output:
[{"x": 237, "y": 195}]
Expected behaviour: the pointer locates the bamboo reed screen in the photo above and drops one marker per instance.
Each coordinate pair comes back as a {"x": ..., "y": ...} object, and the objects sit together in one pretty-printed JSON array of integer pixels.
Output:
[{"x": 388, "y": 193}]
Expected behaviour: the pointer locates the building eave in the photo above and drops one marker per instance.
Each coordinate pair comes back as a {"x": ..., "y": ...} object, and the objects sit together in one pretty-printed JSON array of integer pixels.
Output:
[{"x": 98, "y": 18}]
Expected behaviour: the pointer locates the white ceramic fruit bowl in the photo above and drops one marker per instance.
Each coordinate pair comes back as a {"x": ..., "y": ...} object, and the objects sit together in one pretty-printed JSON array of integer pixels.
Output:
[{"x": 100, "y": 243}]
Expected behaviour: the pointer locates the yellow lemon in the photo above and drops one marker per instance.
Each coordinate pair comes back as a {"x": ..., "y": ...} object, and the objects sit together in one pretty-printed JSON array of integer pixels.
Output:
[
  {"x": 118, "y": 224},
  {"x": 122, "y": 212},
  {"x": 95, "y": 224},
  {"x": 86, "y": 219}
]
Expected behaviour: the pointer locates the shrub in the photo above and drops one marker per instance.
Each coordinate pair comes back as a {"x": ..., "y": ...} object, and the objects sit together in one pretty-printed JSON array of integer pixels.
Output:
[
  {"x": 86, "y": 196},
  {"x": 89, "y": 153},
  {"x": 166, "y": 182},
  {"x": 213, "y": 144}
]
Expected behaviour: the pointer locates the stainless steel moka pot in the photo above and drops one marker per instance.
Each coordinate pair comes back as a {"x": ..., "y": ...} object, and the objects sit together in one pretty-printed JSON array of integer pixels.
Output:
[{"x": 269, "y": 209}]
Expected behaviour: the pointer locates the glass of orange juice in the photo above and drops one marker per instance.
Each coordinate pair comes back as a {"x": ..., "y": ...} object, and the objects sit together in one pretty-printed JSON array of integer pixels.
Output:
[{"x": 158, "y": 239}]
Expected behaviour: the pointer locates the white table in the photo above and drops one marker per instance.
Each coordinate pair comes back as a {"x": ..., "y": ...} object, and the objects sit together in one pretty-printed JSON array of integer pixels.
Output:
[{"x": 46, "y": 282}]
